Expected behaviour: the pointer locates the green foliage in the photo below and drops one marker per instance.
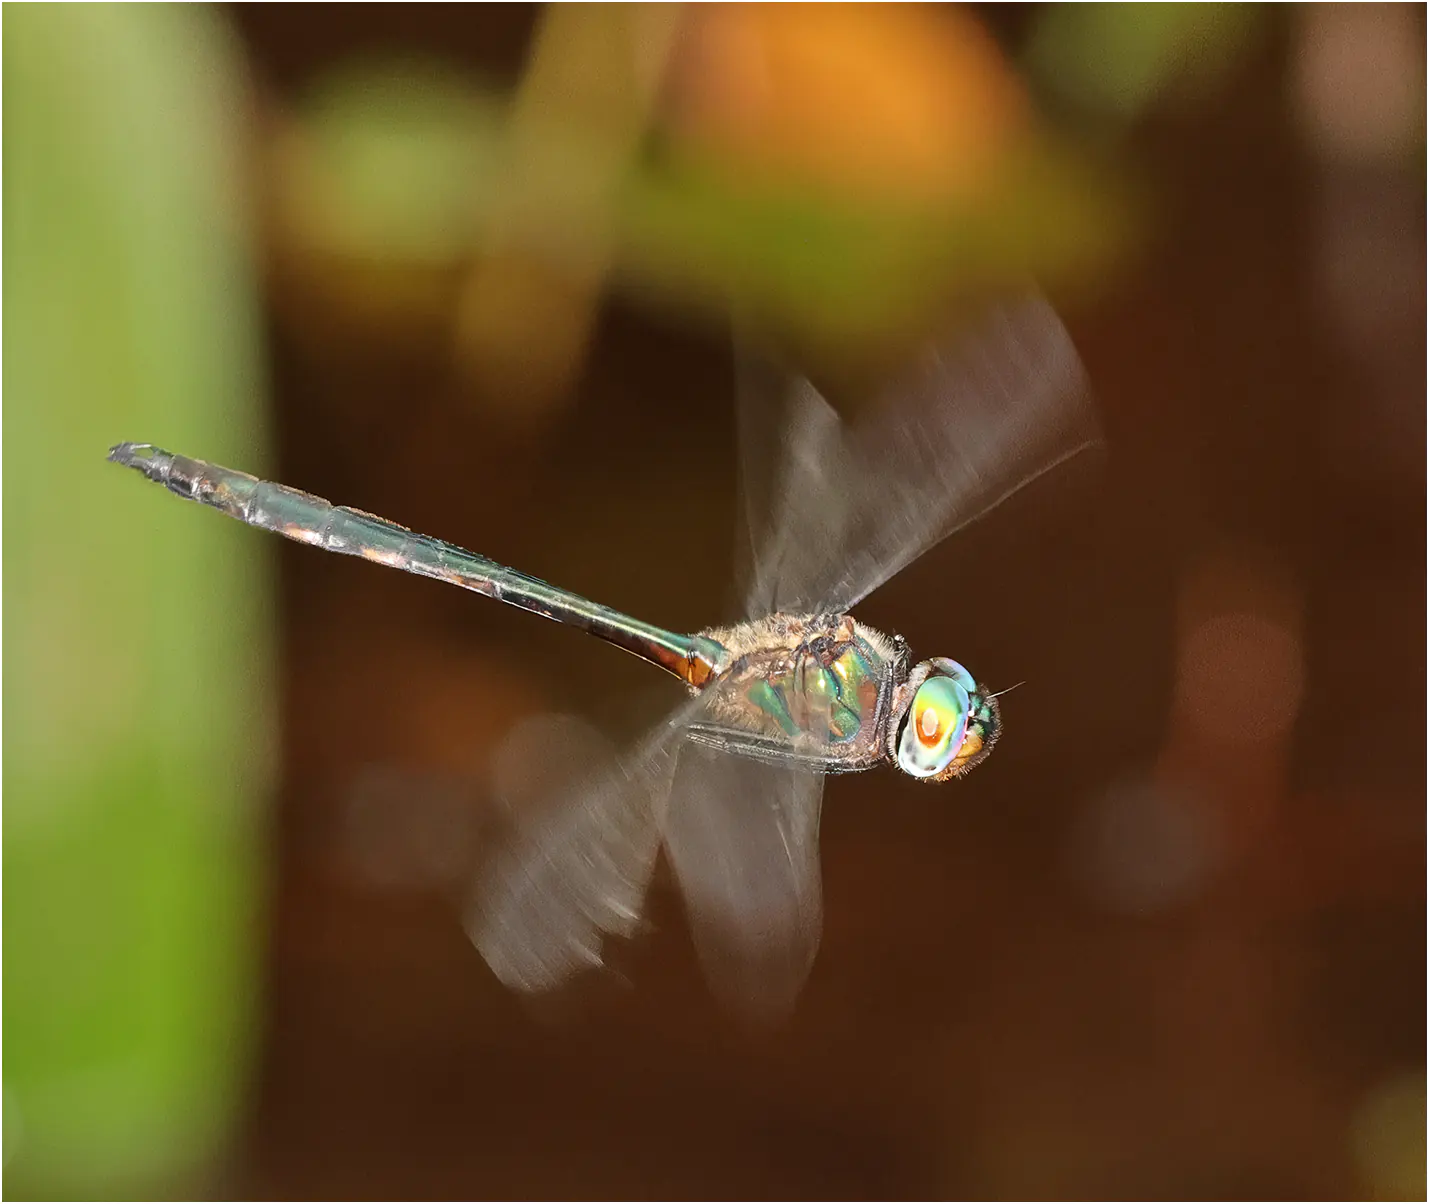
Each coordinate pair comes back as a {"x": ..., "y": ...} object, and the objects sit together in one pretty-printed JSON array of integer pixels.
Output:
[
  {"x": 403, "y": 163},
  {"x": 137, "y": 654}
]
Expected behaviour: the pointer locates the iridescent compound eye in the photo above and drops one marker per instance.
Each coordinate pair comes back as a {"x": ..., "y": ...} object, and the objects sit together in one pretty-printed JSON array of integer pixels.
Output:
[
  {"x": 934, "y": 726},
  {"x": 949, "y": 726},
  {"x": 951, "y": 668}
]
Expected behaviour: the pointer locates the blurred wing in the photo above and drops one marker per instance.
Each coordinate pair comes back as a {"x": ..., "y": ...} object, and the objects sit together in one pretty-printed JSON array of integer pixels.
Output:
[
  {"x": 786, "y": 434},
  {"x": 809, "y": 476},
  {"x": 743, "y": 839},
  {"x": 579, "y": 871},
  {"x": 759, "y": 400},
  {"x": 976, "y": 421}
]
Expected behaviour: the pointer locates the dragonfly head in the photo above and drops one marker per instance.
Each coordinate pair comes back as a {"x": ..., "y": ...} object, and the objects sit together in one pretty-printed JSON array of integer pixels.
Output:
[{"x": 943, "y": 724}]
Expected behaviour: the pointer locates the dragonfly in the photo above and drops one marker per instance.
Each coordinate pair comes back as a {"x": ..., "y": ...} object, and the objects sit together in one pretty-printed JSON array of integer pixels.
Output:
[{"x": 730, "y": 782}]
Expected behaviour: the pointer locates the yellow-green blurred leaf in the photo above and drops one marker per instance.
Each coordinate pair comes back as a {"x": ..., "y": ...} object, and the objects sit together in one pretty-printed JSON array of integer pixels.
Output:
[
  {"x": 395, "y": 161},
  {"x": 1116, "y": 59}
]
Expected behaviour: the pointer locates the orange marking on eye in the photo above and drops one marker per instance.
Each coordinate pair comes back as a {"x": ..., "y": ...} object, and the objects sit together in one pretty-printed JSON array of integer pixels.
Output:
[{"x": 930, "y": 726}]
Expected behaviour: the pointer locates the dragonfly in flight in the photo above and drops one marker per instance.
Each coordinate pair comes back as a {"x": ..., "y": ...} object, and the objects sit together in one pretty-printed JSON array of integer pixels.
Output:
[{"x": 730, "y": 783}]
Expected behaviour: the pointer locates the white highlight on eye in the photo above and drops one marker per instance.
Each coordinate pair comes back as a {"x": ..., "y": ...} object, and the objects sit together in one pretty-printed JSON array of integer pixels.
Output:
[{"x": 928, "y": 721}]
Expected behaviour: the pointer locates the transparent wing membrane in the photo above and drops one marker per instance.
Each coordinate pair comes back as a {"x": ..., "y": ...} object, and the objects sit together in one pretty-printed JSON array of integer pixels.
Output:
[
  {"x": 578, "y": 871},
  {"x": 743, "y": 840},
  {"x": 978, "y": 419}
]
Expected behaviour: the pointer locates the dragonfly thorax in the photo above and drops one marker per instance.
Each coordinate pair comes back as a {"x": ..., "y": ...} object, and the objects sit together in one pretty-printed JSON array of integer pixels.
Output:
[
  {"x": 813, "y": 687},
  {"x": 827, "y": 690}
]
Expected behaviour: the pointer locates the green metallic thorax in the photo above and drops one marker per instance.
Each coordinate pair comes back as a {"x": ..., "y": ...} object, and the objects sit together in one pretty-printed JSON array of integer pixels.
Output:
[
  {"x": 818, "y": 683},
  {"x": 827, "y": 701}
]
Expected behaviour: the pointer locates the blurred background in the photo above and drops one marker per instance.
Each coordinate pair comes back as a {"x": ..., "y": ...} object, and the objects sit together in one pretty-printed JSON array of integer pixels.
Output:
[{"x": 472, "y": 268}]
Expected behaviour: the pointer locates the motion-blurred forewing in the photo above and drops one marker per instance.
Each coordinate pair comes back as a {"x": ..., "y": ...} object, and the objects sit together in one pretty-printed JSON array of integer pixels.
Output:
[{"x": 974, "y": 422}]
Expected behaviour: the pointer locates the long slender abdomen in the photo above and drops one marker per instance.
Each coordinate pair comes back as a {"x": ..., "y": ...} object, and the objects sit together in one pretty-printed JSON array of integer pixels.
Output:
[
  {"x": 313, "y": 520},
  {"x": 309, "y": 519}
]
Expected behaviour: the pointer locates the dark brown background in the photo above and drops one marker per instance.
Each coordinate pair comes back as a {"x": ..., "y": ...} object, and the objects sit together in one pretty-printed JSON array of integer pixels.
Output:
[{"x": 985, "y": 1018}]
